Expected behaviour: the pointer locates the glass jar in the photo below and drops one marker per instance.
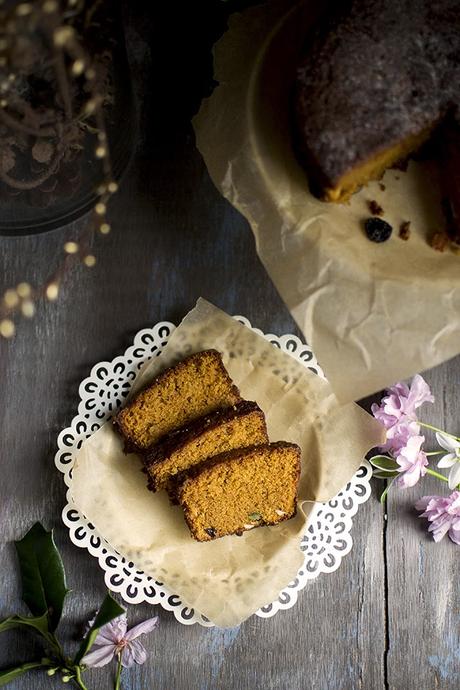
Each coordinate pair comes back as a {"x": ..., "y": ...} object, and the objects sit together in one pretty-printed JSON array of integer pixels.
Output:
[{"x": 67, "y": 114}]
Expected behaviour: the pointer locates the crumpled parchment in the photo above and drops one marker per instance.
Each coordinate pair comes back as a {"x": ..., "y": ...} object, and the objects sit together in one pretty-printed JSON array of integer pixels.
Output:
[
  {"x": 230, "y": 578},
  {"x": 373, "y": 313}
]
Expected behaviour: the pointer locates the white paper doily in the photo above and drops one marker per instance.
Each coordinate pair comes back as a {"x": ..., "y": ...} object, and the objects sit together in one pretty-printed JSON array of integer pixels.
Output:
[{"x": 324, "y": 544}]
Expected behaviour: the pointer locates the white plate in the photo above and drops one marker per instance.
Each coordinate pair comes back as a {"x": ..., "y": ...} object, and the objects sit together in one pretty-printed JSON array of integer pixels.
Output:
[{"x": 324, "y": 544}]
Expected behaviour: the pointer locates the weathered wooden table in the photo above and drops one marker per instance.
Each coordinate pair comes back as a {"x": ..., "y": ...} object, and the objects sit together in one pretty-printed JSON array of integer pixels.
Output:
[{"x": 389, "y": 617}]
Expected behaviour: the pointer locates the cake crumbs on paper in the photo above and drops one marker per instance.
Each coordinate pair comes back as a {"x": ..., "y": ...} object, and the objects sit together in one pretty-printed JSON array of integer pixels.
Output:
[
  {"x": 404, "y": 230},
  {"x": 401, "y": 165},
  {"x": 375, "y": 208},
  {"x": 382, "y": 186},
  {"x": 439, "y": 241}
]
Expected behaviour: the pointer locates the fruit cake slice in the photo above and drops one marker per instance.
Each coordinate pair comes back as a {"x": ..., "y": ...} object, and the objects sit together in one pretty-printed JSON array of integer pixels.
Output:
[
  {"x": 241, "y": 489},
  {"x": 192, "y": 388},
  {"x": 222, "y": 430}
]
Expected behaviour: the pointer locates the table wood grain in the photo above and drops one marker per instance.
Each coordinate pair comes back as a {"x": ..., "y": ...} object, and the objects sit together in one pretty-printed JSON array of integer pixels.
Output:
[{"x": 389, "y": 617}]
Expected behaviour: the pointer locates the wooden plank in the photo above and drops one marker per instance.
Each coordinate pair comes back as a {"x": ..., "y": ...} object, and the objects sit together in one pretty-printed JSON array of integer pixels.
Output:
[
  {"x": 42, "y": 369},
  {"x": 174, "y": 239},
  {"x": 325, "y": 636},
  {"x": 423, "y": 582}
]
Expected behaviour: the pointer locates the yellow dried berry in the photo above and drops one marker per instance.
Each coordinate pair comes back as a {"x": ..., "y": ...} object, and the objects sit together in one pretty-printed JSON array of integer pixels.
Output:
[
  {"x": 71, "y": 247},
  {"x": 52, "y": 292},
  {"x": 7, "y": 328}
]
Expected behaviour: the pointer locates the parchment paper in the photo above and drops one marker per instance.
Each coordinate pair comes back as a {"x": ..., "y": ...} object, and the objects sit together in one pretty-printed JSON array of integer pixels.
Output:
[
  {"x": 230, "y": 578},
  {"x": 372, "y": 313}
]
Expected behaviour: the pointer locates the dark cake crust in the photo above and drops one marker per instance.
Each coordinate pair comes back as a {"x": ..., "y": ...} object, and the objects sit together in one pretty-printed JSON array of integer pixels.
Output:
[
  {"x": 178, "y": 438},
  {"x": 376, "y": 73},
  {"x": 236, "y": 453}
]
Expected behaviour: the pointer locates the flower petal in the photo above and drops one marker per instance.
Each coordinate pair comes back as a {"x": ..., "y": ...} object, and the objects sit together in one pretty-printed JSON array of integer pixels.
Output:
[
  {"x": 440, "y": 528},
  {"x": 142, "y": 628},
  {"x": 447, "y": 460},
  {"x": 454, "y": 476},
  {"x": 455, "y": 536},
  {"x": 138, "y": 651},
  {"x": 113, "y": 631},
  {"x": 127, "y": 658},
  {"x": 410, "y": 477},
  {"x": 419, "y": 392},
  {"x": 423, "y": 502},
  {"x": 447, "y": 442},
  {"x": 99, "y": 655}
]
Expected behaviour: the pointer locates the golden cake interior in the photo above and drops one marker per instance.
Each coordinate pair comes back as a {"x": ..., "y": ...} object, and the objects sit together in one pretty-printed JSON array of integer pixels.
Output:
[
  {"x": 248, "y": 488},
  {"x": 374, "y": 167},
  {"x": 196, "y": 386},
  {"x": 241, "y": 431}
]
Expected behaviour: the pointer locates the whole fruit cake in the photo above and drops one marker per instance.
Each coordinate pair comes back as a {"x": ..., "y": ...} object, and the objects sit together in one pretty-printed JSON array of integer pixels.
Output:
[{"x": 378, "y": 78}]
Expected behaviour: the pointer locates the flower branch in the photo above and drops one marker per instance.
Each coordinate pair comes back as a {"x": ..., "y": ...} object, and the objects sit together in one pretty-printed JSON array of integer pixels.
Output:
[
  {"x": 406, "y": 462},
  {"x": 44, "y": 592}
]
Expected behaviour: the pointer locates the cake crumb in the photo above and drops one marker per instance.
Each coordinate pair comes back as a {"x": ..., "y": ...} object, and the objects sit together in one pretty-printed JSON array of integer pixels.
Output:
[
  {"x": 404, "y": 230},
  {"x": 375, "y": 208},
  {"x": 382, "y": 186},
  {"x": 439, "y": 241},
  {"x": 401, "y": 165}
]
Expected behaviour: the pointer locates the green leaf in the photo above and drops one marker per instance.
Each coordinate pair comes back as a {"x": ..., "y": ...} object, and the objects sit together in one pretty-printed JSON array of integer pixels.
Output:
[
  {"x": 109, "y": 610},
  {"x": 380, "y": 474},
  {"x": 384, "y": 463},
  {"x": 255, "y": 516},
  {"x": 38, "y": 623},
  {"x": 9, "y": 674},
  {"x": 43, "y": 577}
]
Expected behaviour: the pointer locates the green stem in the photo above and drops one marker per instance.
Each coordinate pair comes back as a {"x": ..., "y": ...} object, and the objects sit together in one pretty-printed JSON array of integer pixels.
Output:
[
  {"x": 383, "y": 497},
  {"x": 436, "y": 474},
  {"x": 57, "y": 647},
  {"x": 435, "y": 428},
  {"x": 78, "y": 679},
  {"x": 118, "y": 676},
  {"x": 435, "y": 452}
]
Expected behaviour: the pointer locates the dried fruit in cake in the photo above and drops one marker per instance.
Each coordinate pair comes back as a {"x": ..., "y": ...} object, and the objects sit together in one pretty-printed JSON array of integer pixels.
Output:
[
  {"x": 238, "y": 426},
  {"x": 241, "y": 489},
  {"x": 404, "y": 230},
  {"x": 192, "y": 388},
  {"x": 375, "y": 208},
  {"x": 377, "y": 230}
]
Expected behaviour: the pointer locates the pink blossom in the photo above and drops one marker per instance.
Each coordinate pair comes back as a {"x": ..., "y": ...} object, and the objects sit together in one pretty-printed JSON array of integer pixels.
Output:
[
  {"x": 412, "y": 462},
  {"x": 114, "y": 639},
  {"x": 397, "y": 412},
  {"x": 443, "y": 513},
  {"x": 399, "y": 434}
]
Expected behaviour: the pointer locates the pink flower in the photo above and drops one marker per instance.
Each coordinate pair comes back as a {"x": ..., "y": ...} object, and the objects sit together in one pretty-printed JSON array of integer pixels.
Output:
[
  {"x": 412, "y": 462},
  {"x": 114, "y": 638},
  {"x": 399, "y": 435},
  {"x": 397, "y": 412},
  {"x": 444, "y": 514}
]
